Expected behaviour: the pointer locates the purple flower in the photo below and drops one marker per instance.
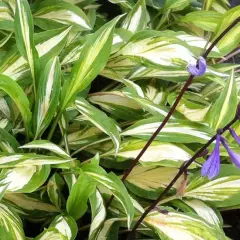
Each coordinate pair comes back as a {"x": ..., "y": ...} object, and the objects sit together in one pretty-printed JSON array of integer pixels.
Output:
[
  {"x": 211, "y": 167},
  {"x": 234, "y": 156},
  {"x": 234, "y": 135},
  {"x": 199, "y": 68}
]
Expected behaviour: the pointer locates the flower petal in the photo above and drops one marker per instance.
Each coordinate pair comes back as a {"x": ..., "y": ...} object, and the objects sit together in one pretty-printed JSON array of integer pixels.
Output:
[
  {"x": 211, "y": 167},
  {"x": 234, "y": 135},
  {"x": 199, "y": 69},
  {"x": 234, "y": 156}
]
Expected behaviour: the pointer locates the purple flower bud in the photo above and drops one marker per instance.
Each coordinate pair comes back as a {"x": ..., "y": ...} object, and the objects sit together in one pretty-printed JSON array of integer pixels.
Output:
[
  {"x": 199, "y": 68},
  {"x": 211, "y": 167},
  {"x": 234, "y": 135},
  {"x": 234, "y": 156}
]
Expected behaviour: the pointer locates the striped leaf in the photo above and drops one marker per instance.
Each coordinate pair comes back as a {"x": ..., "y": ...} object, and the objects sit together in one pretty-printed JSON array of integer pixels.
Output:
[
  {"x": 148, "y": 182},
  {"x": 231, "y": 40},
  {"x": 17, "y": 94},
  {"x": 8, "y": 143},
  {"x": 155, "y": 49},
  {"x": 51, "y": 233},
  {"x": 175, "y": 225},
  {"x": 128, "y": 4},
  {"x": 65, "y": 225},
  {"x": 48, "y": 44},
  {"x": 113, "y": 184},
  {"x": 47, "y": 96},
  {"x": 206, "y": 20},
  {"x": 6, "y": 18},
  {"x": 10, "y": 224},
  {"x": 30, "y": 206},
  {"x": 223, "y": 191},
  {"x": 24, "y": 30},
  {"x": 100, "y": 120},
  {"x": 54, "y": 187},
  {"x": 78, "y": 197},
  {"x": 158, "y": 154},
  {"x": 192, "y": 111},
  {"x": 204, "y": 211},
  {"x": 136, "y": 20},
  {"x": 24, "y": 179},
  {"x": 44, "y": 144},
  {"x": 179, "y": 131},
  {"x": 54, "y": 14},
  {"x": 98, "y": 214},
  {"x": 220, "y": 114},
  {"x": 117, "y": 104},
  {"x": 93, "y": 58},
  {"x": 29, "y": 159}
]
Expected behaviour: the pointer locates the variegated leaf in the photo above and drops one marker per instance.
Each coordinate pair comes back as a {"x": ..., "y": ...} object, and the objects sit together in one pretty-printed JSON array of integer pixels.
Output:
[
  {"x": 24, "y": 179},
  {"x": 136, "y": 20},
  {"x": 54, "y": 14},
  {"x": 65, "y": 225},
  {"x": 29, "y": 159},
  {"x": 6, "y": 18},
  {"x": 113, "y": 184},
  {"x": 24, "y": 29},
  {"x": 158, "y": 154},
  {"x": 98, "y": 214},
  {"x": 93, "y": 58},
  {"x": 179, "y": 131},
  {"x": 10, "y": 224},
  {"x": 149, "y": 181},
  {"x": 100, "y": 120},
  {"x": 51, "y": 233},
  {"x": 47, "y": 96},
  {"x": 223, "y": 191},
  {"x": 44, "y": 144},
  {"x": 206, "y": 212},
  {"x": 220, "y": 114},
  {"x": 176, "y": 225}
]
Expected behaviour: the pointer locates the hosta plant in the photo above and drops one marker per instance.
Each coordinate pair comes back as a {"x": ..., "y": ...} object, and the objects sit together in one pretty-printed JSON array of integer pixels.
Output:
[{"x": 84, "y": 85}]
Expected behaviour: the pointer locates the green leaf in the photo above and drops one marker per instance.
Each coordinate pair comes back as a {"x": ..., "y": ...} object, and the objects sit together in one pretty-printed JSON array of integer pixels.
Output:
[
  {"x": 93, "y": 58},
  {"x": 24, "y": 29},
  {"x": 220, "y": 114},
  {"x": 80, "y": 192},
  {"x": 17, "y": 94},
  {"x": 128, "y": 4},
  {"x": 100, "y": 120},
  {"x": 114, "y": 184},
  {"x": 10, "y": 224},
  {"x": 54, "y": 187},
  {"x": 29, "y": 159},
  {"x": 47, "y": 96},
  {"x": 6, "y": 18},
  {"x": 176, "y": 5},
  {"x": 231, "y": 40},
  {"x": 149, "y": 181},
  {"x": 51, "y": 14},
  {"x": 8, "y": 143},
  {"x": 24, "y": 179},
  {"x": 66, "y": 225},
  {"x": 51, "y": 233},
  {"x": 98, "y": 214},
  {"x": 179, "y": 131},
  {"x": 44, "y": 144},
  {"x": 136, "y": 20},
  {"x": 206, "y": 20},
  {"x": 176, "y": 225}
]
